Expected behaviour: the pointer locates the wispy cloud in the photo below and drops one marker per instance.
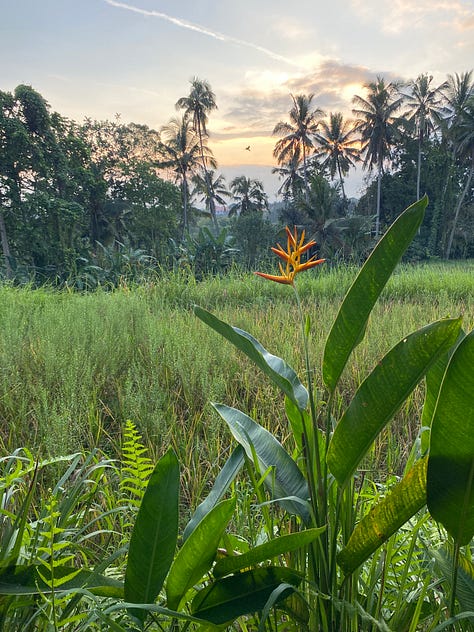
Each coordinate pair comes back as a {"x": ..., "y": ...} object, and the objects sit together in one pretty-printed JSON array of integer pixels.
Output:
[{"x": 203, "y": 30}]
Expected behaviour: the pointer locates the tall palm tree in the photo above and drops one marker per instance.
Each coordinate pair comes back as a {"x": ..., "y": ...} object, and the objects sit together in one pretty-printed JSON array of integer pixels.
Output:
[
  {"x": 298, "y": 134},
  {"x": 376, "y": 124},
  {"x": 338, "y": 146},
  {"x": 249, "y": 196},
  {"x": 181, "y": 150},
  {"x": 460, "y": 132},
  {"x": 200, "y": 102},
  {"x": 425, "y": 109}
]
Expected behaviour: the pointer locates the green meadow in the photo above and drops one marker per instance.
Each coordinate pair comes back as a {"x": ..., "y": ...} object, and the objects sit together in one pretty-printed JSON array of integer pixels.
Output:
[
  {"x": 109, "y": 443},
  {"x": 76, "y": 366}
]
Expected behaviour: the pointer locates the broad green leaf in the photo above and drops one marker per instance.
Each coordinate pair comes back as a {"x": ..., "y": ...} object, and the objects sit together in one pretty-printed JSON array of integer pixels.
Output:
[
  {"x": 25, "y": 580},
  {"x": 281, "y": 374},
  {"x": 382, "y": 393},
  {"x": 349, "y": 327},
  {"x": 434, "y": 379},
  {"x": 402, "y": 502},
  {"x": 154, "y": 536},
  {"x": 288, "y": 484},
  {"x": 266, "y": 551},
  {"x": 244, "y": 593},
  {"x": 197, "y": 554},
  {"x": 450, "y": 485},
  {"x": 226, "y": 476}
]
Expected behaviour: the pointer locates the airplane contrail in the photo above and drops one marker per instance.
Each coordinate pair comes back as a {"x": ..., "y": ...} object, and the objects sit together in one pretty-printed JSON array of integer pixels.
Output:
[{"x": 203, "y": 30}]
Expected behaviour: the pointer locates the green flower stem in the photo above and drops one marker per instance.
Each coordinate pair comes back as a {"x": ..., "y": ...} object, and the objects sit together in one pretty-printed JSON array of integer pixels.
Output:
[{"x": 317, "y": 485}]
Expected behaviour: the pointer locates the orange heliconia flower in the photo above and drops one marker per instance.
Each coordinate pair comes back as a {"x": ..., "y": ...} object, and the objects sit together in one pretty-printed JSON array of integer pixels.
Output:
[{"x": 292, "y": 255}]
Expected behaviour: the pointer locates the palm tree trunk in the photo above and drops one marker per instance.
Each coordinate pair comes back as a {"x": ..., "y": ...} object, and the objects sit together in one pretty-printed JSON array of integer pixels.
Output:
[
  {"x": 5, "y": 246},
  {"x": 185, "y": 205},
  {"x": 305, "y": 175},
  {"x": 212, "y": 203},
  {"x": 379, "y": 189},
  {"x": 458, "y": 207},
  {"x": 342, "y": 183},
  {"x": 418, "y": 170}
]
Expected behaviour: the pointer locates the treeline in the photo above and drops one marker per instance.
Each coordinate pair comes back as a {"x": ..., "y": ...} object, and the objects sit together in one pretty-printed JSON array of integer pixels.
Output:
[{"x": 86, "y": 203}]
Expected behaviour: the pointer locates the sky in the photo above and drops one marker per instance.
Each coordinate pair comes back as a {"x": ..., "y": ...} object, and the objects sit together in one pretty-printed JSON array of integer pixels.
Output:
[{"x": 99, "y": 58}]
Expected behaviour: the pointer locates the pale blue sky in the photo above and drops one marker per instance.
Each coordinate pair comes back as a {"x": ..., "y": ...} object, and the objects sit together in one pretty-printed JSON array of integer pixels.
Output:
[{"x": 100, "y": 57}]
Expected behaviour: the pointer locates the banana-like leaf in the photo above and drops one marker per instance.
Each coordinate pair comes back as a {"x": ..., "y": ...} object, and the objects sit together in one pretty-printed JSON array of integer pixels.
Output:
[
  {"x": 287, "y": 484},
  {"x": 349, "y": 327},
  {"x": 450, "y": 485},
  {"x": 402, "y": 502},
  {"x": 154, "y": 536},
  {"x": 197, "y": 554},
  {"x": 267, "y": 551},
  {"x": 382, "y": 393},
  {"x": 244, "y": 593},
  {"x": 25, "y": 580},
  {"x": 226, "y": 476},
  {"x": 281, "y": 373},
  {"x": 434, "y": 379}
]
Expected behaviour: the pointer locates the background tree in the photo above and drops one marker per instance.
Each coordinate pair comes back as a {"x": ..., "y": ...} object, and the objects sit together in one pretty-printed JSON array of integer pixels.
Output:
[
  {"x": 200, "y": 102},
  {"x": 337, "y": 146},
  {"x": 298, "y": 134},
  {"x": 460, "y": 133},
  {"x": 376, "y": 124},
  {"x": 424, "y": 112},
  {"x": 182, "y": 149},
  {"x": 249, "y": 196},
  {"x": 211, "y": 190},
  {"x": 290, "y": 172}
]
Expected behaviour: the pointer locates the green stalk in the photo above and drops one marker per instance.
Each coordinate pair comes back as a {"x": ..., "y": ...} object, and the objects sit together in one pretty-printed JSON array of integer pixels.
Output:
[
  {"x": 317, "y": 487},
  {"x": 454, "y": 581}
]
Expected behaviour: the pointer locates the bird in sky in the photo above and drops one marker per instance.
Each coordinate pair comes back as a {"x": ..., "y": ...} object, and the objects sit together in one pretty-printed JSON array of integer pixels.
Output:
[{"x": 247, "y": 148}]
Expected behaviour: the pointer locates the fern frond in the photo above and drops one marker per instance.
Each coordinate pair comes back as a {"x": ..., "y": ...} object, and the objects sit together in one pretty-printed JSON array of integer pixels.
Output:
[{"x": 136, "y": 466}]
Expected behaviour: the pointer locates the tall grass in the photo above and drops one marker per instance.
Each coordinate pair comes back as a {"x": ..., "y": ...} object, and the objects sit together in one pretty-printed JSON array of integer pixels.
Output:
[{"x": 74, "y": 367}]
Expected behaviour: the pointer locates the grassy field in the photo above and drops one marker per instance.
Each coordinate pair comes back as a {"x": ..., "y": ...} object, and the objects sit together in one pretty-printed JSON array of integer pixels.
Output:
[{"x": 74, "y": 367}]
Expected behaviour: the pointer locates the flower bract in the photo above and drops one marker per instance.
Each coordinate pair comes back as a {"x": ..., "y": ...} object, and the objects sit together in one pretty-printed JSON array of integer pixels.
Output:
[{"x": 295, "y": 247}]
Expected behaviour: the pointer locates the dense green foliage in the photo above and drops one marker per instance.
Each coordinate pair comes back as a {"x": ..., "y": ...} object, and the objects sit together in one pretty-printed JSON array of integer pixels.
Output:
[{"x": 87, "y": 203}]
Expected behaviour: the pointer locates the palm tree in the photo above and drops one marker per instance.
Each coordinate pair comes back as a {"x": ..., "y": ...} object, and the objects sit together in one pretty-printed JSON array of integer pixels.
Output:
[
  {"x": 290, "y": 173},
  {"x": 249, "y": 196},
  {"x": 298, "y": 134},
  {"x": 376, "y": 125},
  {"x": 338, "y": 146},
  {"x": 197, "y": 105},
  {"x": 181, "y": 150},
  {"x": 425, "y": 109},
  {"x": 460, "y": 97},
  {"x": 212, "y": 189}
]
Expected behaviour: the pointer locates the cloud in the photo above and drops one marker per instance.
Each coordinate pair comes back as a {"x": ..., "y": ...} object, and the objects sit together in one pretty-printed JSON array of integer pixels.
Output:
[
  {"x": 185, "y": 24},
  {"x": 405, "y": 15},
  {"x": 255, "y": 110}
]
